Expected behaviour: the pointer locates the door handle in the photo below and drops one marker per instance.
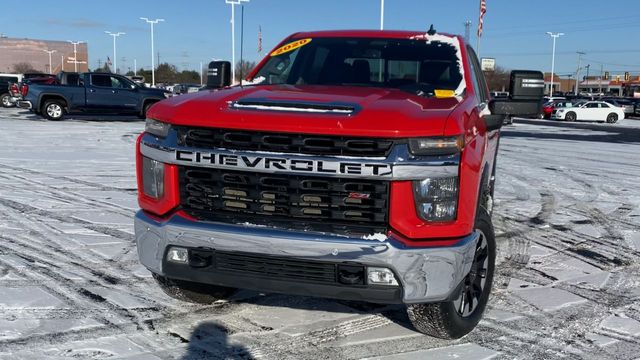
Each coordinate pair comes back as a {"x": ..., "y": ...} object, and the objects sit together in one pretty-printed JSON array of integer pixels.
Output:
[
  {"x": 113, "y": 91},
  {"x": 92, "y": 90}
]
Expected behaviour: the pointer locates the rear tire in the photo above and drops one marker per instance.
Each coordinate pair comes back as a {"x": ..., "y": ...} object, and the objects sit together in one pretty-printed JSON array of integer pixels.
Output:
[
  {"x": 455, "y": 319},
  {"x": 5, "y": 99},
  {"x": 571, "y": 116},
  {"x": 193, "y": 292},
  {"x": 612, "y": 118},
  {"x": 53, "y": 110}
]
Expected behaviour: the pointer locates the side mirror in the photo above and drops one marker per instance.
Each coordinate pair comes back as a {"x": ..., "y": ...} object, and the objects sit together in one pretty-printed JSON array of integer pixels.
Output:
[
  {"x": 218, "y": 74},
  {"x": 526, "y": 90}
]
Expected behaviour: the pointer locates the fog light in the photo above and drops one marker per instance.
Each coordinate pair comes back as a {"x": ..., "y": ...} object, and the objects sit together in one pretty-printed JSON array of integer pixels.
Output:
[
  {"x": 436, "y": 198},
  {"x": 381, "y": 276},
  {"x": 179, "y": 255},
  {"x": 152, "y": 177}
]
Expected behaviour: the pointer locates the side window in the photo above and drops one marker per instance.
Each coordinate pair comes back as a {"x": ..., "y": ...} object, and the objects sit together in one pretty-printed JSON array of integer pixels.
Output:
[
  {"x": 592, "y": 105},
  {"x": 101, "y": 80},
  {"x": 118, "y": 83},
  {"x": 603, "y": 105},
  {"x": 477, "y": 76}
]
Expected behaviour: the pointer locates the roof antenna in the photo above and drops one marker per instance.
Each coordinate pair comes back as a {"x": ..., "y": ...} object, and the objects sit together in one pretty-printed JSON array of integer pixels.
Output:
[{"x": 431, "y": 31}]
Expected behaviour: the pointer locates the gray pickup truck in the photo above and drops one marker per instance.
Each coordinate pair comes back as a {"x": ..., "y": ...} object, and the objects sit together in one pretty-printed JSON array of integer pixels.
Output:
[{"x": 90, "y": 93}]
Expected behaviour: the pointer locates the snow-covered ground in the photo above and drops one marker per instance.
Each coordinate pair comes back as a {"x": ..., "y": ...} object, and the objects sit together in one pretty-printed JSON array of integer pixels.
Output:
[{"x": 568, "y": 281}]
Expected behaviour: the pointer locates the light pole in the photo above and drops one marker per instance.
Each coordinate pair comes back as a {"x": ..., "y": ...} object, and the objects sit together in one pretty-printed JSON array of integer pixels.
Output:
[
  {"x": 381, "y": 14},
  {"x": 233, "y": 4},
  {"x": 153, "y": 67},
  {"x": 553, "y": 58},
  {"x": 75, "y": 53},
  {"x": 115, "y": 59},
  {"x": 580, "y": 53},
  {"x": 49, "y": 52}
]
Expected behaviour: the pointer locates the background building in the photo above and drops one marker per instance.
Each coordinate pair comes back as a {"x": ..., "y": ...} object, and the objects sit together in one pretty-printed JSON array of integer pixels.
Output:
[{"x": 30, "y": 51}]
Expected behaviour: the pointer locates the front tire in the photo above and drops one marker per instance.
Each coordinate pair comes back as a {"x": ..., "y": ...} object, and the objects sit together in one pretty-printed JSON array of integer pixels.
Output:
[
  {"x": 145, "y": 109},
  {"x": 53, "y": 110},
  {"x": 571, "y": 116},
  {"x": 193, "y": 292},
  {"x": 612, "y": 118},
  {"x": 455, "y": 319}
]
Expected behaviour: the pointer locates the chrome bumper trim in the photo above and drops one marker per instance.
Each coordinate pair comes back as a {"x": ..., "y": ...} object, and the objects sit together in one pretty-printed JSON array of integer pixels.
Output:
[{"x": 426, "y": 274}]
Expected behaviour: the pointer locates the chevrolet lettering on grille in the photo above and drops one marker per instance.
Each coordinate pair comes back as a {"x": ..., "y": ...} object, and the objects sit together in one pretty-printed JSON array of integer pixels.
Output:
[{"x": 281, "y": 164}]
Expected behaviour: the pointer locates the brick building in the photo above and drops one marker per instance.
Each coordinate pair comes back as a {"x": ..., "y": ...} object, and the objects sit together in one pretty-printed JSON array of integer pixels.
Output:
[{"x": 14, "y": 51}]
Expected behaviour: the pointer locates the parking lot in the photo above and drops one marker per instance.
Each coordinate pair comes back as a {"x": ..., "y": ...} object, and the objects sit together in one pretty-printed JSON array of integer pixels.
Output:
[{"x": 567, "y": 216}]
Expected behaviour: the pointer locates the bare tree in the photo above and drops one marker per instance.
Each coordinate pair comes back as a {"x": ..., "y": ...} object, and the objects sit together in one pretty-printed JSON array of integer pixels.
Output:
[
  {"x": 497, "y": 80},
  {"x": 243, "y": 69},
  {"x": 23, "y": 68}
]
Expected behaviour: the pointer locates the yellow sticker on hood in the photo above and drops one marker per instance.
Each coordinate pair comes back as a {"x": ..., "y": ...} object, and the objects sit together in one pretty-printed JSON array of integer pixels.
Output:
[
  {"x": 444, "y": 93},
  {"x": 290, "y": 47}
]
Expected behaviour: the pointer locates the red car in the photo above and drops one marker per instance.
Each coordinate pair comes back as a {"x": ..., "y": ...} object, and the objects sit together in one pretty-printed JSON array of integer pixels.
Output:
[
  {"x": 355, "y": 165},
  {"x": 547, "y": 108}
]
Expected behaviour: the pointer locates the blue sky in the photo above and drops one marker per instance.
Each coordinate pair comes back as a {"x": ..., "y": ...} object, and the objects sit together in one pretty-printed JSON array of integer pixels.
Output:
[{"x": 199, "y": 30}]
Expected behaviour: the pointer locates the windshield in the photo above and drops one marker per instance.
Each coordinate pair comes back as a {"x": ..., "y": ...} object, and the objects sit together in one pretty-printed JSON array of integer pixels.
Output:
[{"x": 416, "y": 66}]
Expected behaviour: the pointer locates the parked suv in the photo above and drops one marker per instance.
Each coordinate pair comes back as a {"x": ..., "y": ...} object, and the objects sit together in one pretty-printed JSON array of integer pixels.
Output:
[{"x": 355, "y": 165}]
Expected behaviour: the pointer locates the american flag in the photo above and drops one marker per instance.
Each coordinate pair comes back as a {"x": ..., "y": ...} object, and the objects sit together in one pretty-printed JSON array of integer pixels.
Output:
[
  {"x": 259, "y": 39},
  {"x": 483, "y": 10},
  {"x": 109, "y": 61}
]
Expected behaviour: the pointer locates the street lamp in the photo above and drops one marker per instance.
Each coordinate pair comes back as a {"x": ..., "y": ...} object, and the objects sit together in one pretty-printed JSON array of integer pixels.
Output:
[
  {"x": 233, "y": 3},
  {"x": 115, "y": 59},
  {"x": 153, "y": 70},
  {"x": 381, "y": 14},
  {"x": 75, "y": 53},
  {"x": 49, "y": 52},
  {"x": 553, "y": 58}
]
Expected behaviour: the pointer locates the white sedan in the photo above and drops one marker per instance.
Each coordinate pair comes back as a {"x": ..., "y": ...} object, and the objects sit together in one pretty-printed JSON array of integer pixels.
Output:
[{"x": 590, "y": 110}]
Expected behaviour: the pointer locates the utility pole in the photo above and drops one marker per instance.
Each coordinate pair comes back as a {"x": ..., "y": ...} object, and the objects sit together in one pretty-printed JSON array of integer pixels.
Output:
[
  {"x": 467, "y": 30},
  {"x": 233, "y": 4},
  {"x": 99, "y": 63},
  {"x": 600, "y": 81},
  {"x": 135, "y": 67},
  {"x": 153, "y": 70},
  {"x": 580, "y": 53},
  {"x": 115, "y": 59},
  {"x": 588, "y": 66},
  {"x": 553, "y": 58},
  {"x": 201, "y": 83},
  {"x": 61, "y": 62}
]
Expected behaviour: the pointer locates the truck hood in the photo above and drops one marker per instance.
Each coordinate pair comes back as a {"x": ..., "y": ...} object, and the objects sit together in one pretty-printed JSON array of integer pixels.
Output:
[{"x": 377, "y": 112}]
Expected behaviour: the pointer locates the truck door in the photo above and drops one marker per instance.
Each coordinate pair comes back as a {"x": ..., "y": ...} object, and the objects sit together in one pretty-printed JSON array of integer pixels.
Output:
[{"x": 100, "y": 93}]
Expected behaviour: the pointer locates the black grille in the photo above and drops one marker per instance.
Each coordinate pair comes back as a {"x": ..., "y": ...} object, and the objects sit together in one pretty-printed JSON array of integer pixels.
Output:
[
  {"x": 282, "y": 142},
  {"x": 276, "y": 267},
  {"x": 342, "y": 206}
]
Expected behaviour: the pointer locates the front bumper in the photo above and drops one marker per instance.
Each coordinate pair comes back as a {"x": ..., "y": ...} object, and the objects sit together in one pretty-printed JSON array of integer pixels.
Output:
[{"x": 425, "y": 274}]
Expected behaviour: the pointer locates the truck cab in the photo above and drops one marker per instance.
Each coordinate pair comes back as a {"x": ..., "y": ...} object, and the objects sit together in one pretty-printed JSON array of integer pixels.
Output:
[{"x": 354, "y": 165}]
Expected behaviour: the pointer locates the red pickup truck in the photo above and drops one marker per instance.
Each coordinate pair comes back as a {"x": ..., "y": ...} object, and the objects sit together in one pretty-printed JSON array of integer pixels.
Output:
[{"x": 353, "y": 165}]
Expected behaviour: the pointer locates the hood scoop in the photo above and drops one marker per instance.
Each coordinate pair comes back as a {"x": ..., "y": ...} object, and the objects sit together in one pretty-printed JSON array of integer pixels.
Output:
[{"x": 295, "y": 106}]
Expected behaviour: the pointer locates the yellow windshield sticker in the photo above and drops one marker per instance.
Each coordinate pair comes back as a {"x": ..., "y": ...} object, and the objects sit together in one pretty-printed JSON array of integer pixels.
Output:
[
  {"x": 444, "y": 93},
  {"x": 290, "y": 47}
]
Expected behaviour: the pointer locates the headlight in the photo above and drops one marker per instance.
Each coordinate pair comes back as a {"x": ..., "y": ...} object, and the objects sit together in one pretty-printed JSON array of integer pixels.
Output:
[
  {"x": 436, "y": 145},
  {"x": 560, "y": 111},
  {"x": 436, "y": 198},
  {"x": 157, "y": 128},
  {"x": 152, "y": 177},
  {"x": 167, "y": 95}
]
